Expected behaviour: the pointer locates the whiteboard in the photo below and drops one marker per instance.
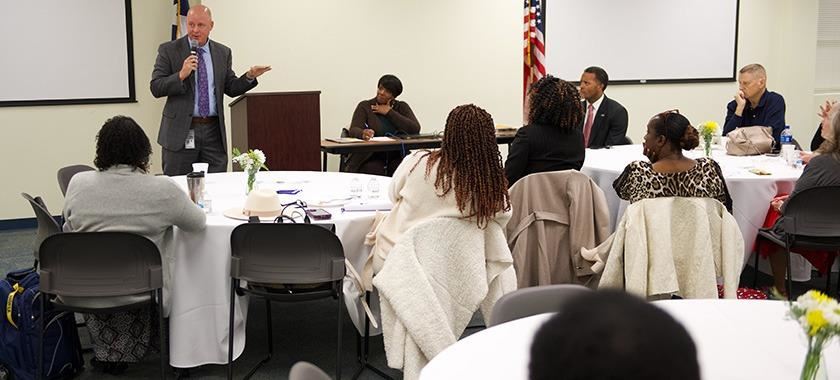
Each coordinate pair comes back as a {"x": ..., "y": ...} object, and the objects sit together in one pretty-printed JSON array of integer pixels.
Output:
[
  {"x": 643, "y": 41},
  {"x": 59, "y": 51}
]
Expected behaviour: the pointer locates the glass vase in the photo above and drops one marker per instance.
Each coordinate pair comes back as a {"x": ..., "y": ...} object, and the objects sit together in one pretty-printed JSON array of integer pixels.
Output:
[
  {"x": 252, "y": 179},
  {"x": 814, "y": 366},
  {"x": 707, "y": 145}
]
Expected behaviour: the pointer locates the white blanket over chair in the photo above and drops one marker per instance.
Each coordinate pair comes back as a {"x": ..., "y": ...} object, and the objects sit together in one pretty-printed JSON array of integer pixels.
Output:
[
  {"x": 675, "y": 245},
  {"x": 433, "y": 281}
]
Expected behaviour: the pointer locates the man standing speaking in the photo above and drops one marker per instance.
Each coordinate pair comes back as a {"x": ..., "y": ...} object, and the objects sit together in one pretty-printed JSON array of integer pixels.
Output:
[{"x": 194, "y": 74}]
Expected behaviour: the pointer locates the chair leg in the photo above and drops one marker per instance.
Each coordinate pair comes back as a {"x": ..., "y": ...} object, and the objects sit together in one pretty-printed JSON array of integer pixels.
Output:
[
  {"x": 162, "y": 337},
  {"x": 39, "y": 372},
  {"x": 362, "y": 355},
  {"x": 755, "y": 265},
  {"x": 789, "y": 274},
  {"x": 270, "y": 329},
  {"x": 338, "y": 346},
  {"x": 270, "y": 333},
  {"x": 233, "y": 284}
]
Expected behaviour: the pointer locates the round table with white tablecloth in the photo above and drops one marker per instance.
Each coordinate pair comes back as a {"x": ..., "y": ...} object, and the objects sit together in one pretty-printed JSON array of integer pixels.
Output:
[
  {"x": 751, "y": 193},
  {"x": 735, "y": 339},
  {"x": 198, "y": 320}
]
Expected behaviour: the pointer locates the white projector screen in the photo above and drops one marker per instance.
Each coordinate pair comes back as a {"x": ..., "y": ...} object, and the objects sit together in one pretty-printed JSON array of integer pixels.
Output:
[
  {"x": 66, "y": 52},
  {"x": 643, "y": 41}
]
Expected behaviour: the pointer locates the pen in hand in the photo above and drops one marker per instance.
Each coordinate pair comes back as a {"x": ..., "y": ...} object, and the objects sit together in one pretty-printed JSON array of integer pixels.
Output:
[{"x": 367, "y": 133}]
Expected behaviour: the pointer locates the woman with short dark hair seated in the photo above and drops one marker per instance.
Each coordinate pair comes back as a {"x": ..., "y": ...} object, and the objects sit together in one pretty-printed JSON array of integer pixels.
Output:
[
  {"x": 669, "y": 173},
  {"x": 823, "y": 169},
  {"x": 122, "y": 196},
  {"x": 552, "y": 140},
  {"x": 612, "y": 335},
  {"x": 383, "y": 115}
]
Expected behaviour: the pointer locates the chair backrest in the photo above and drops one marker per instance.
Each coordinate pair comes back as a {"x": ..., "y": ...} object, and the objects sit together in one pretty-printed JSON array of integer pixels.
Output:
[
  {"x": 67, "y": 172},
  {"x": 535, "y": 300},
  {"x": 46, "y": 223},
  {"x": 99, "y": 264},
  {"x": 307, "y": 371},
  {"x": 814, "y": 212},
  {"x": 286, "y": 253}
]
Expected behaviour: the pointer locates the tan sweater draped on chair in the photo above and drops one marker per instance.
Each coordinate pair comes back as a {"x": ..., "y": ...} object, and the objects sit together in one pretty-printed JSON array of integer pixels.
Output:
[{"x": 554, "y": 215}]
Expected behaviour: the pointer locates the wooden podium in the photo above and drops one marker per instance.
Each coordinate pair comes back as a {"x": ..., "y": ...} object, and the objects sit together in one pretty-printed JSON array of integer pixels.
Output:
[{"x": 286, "y": 126}]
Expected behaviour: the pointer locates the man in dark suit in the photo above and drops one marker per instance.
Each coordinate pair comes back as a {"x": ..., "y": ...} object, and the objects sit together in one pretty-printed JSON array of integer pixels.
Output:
[
  {"x": 605, "y": 120},
  {"x": 192, "y": 128}
]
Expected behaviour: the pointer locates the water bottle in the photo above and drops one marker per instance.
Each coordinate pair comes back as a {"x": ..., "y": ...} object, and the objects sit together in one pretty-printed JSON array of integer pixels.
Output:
[
  {"x": 786, "y": 142},
  {"x": 786, "y": 137}
]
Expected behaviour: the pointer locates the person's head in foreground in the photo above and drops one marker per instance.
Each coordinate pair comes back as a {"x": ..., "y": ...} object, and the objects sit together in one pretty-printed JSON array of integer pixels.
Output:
[
  {"x": 469, "y": 162},
  {"x": 612, "y": 335},
  {"x": 553, "y": 101},
  {"x": 122, "y": 142},
  {"x": 668, "y": 134}
]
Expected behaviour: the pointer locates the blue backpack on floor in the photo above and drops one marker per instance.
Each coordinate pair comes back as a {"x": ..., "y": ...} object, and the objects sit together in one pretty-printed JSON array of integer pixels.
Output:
[{"x": 19, "y": 331}]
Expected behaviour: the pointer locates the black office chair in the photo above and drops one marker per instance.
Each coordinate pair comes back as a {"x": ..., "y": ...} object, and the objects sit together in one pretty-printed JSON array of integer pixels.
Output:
[
  {"x": 285, "y": 263},
  {"x": 342, "y": 161},
  {"x": 101, "y": 272},
  {"x": 534, "y": 300},
  {"x": 627, "y": 141},
  {"x": 810, "y": 221},
  {"x": 47, "y": 225},
  {"x": 67, "y": 172}
]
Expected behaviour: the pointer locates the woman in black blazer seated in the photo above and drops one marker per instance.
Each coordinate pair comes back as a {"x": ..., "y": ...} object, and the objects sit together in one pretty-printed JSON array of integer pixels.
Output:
[{"x": 552, "y": 140}]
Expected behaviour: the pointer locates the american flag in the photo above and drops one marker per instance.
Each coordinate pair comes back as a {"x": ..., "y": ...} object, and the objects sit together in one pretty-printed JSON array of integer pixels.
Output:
[
  {"x": 534, "y": 42},
  {"x": 179, "y": 24}
]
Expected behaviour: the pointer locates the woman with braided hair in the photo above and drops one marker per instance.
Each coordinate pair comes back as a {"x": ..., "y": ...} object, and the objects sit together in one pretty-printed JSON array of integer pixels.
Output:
[
  {"x": 669, "y": 173},
  {"x": 464, "y": 179},
  {"x": 552, "y": 140}
]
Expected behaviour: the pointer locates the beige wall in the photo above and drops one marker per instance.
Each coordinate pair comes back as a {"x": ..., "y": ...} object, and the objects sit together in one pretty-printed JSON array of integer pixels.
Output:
[
  {"x": 37, "y": 141},
  {"x": 446, "y": 52}
]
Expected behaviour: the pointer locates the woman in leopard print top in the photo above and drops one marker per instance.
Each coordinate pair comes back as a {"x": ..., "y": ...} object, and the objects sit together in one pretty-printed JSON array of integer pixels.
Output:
[{"x": 669, "y": 173}]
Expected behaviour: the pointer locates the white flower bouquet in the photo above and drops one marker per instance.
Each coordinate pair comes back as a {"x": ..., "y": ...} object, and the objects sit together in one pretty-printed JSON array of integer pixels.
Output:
[
  {"x": 251, "y": 162},
  {"x": 819, "y": 317}
]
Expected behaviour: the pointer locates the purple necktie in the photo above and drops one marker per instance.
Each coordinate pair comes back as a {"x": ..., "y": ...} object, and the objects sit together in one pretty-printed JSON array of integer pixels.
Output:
[{"x": 203, "y": 96}]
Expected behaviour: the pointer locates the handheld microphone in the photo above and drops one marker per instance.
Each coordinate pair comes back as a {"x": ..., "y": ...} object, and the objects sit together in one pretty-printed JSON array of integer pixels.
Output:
[{"x": 193, "y": 52}]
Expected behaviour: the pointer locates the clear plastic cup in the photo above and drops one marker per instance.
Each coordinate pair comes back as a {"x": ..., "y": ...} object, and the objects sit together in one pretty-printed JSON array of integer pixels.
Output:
[
  {"x": 373, "y": 188},
  {"x": 356, "y": 187}
]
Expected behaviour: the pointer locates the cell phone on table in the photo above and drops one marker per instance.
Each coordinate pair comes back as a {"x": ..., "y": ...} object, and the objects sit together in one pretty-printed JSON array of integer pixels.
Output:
[{"x": 318, "y": 213}]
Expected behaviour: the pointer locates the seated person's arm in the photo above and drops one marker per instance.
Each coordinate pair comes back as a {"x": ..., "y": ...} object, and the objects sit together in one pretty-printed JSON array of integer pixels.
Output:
[
  {"x": 776, "y": 118},
  {"x": 732, "y": 120},
  {"x": 357, "y": 124},
  {"x": 404, "y": 119},
  {"x": 617, "y": 128},
  {"x": 623, "y": 185},
  {"x": 400, "y": 176},
  {"x": 724, "y": 198},
  {"x": 187, "y": 215},
  {"x": 517, "y": 159}
]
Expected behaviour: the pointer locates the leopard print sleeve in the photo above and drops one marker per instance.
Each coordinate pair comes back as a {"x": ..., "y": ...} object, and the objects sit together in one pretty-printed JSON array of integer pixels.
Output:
[{"x": 626, "y": 185}]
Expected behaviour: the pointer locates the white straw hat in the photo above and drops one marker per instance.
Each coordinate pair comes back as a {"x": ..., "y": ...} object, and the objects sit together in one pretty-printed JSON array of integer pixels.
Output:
[{"x": 263, "y": 203}]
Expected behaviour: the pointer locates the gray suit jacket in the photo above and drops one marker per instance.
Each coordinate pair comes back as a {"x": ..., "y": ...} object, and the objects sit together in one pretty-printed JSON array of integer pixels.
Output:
[{"x": 180, "y": 95}]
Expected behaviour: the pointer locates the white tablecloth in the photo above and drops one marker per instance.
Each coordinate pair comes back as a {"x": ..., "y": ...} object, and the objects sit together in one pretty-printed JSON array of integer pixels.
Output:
[
  {"x": 735, "y": 339},
  {"x": 751, "y": 193},
  {"x": 198, "y": 319}
]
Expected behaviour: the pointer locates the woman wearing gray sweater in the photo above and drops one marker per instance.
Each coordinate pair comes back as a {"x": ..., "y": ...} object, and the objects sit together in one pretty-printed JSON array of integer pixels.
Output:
[{"x": 122, "y": 196}]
